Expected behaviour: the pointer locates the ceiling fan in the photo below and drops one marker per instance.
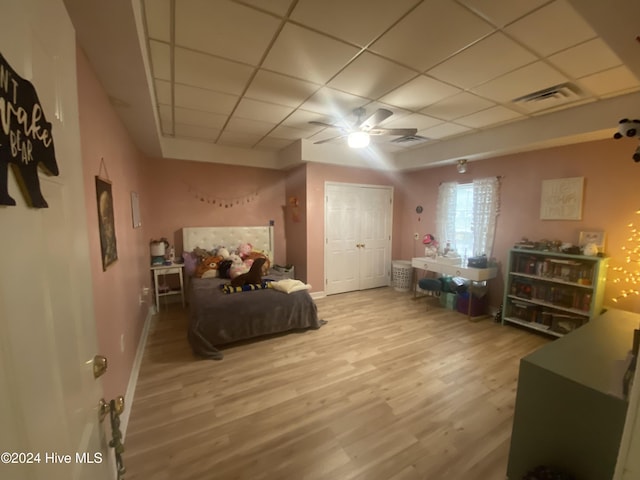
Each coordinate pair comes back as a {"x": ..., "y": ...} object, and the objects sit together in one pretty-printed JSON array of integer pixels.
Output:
[{"x": 358, "y": 135}]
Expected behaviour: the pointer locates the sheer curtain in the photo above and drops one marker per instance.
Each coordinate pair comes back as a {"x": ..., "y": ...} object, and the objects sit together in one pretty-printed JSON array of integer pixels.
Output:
[
  {"x": 446, "y": 213},
  {"x": 486, "y": 205}
]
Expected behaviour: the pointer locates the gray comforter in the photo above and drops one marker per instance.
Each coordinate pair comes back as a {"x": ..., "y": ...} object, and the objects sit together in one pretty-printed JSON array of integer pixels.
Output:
[{"x": 217, "y": 318}]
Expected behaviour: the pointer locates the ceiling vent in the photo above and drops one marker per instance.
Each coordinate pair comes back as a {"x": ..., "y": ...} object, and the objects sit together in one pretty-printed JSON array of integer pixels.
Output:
[
  {"x": 410, "y": 140},
  {"x": 551, "y": 97}
]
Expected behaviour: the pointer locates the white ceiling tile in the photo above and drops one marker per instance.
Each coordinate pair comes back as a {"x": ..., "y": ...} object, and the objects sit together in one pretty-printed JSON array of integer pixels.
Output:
[
  {"x": 166, "y": 118},
  {"x": 160, "y": 60},
  {"x": 158, "y": 19},
  {"x": 163, "y": 91},
  {"x": 554, "y": 27},
  {"x": 584, "y": 59},
  {"x": 521, "y": 82},
  {"x": 289, "y": 133},
  {"x": 371, "y": 76},
  {"x": 279, "y": 7},
  {"x": 459, "y": 105},
  {"x": 489, "y": 58},
  {"x": 209, "y": 72},
  {"x": 238, "y": 139},
  {"x": 197, "y": 117},
  {"x": 333, "y": 103},
  {"x": 197, "y": 132},
  {"x": 308, "y": 55},
  {"x": 619, "y": 79},
  {"x": 202, "y": 99},
  {"x": 444, "y": 130},
  {"x": 414, "y": 120},
  {"x": 261, "y": 111},
  {"x": 488, "y": 117},
  {"x": 237, "y": 124},
  {"x": 224, "y": 28},
  {"x": 355, "y": 21},
  {"x": 501, "y": 13},
  {"x": 301, "y": 118},
  {"x": 280, "y": 89},
  {"x": 419, "y": 93},
  {"x": 426, "y": 37}
]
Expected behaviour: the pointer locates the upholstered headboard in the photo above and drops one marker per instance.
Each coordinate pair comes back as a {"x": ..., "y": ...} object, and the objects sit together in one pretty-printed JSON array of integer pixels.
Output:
[{"x": 261, "y": 238}]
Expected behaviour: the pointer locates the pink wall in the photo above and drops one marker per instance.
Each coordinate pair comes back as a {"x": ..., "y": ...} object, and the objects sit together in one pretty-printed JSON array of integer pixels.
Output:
[
  {"x": 296, "y": 220},
  {"x": 610, "y": 200},
  {"x": 119, "y": 316},
  {"x": 183, "y": 193}
]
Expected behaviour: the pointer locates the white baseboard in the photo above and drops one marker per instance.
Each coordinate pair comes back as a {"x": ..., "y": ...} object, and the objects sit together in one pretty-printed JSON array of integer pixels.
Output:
[
  {"x": 316, "y": 295},
  {"x": 135, "y": 370}
]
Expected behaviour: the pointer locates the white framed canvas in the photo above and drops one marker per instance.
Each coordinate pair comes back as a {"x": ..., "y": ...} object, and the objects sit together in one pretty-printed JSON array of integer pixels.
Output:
[{"x": 561, "y": 199}]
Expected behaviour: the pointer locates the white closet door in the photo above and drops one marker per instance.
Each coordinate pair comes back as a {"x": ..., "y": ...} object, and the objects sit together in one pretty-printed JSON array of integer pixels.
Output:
[{"x": 358, "y": 237}]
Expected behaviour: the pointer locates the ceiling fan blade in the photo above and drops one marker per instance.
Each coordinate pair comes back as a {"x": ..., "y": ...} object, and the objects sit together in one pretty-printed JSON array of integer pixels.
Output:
[
  {"x": 323, "y": 124},
  {"x": 378, "y": 117},
  {"x": 402, "y": 132},
  {"x": 329, "y": 139}
]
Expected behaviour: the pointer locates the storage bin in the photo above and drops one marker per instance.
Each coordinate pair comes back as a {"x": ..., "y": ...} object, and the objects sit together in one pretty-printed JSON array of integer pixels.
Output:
[
  {"x": 448, "y": 300},
  {"x": 401, "y": 275},
  {"x": 478, "y": 304}
]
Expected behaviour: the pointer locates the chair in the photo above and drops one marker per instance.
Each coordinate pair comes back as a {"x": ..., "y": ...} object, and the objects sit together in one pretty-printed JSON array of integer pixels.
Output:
[{"x": 433, "y": 286}]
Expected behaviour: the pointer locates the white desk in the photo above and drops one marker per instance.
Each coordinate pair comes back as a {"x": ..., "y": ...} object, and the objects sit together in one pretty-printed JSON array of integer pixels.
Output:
[
  {"x": 454, "y": 268},
  {"x": 159, "y": 270},
  {"x": 451, "y": 267}
]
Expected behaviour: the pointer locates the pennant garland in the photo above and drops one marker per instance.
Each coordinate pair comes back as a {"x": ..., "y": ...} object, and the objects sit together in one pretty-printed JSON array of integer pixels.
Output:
[{"x": 228, "y": 202}]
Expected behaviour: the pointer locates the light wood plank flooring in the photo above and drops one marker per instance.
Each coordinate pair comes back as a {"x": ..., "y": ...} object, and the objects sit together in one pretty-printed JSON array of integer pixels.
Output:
[{"x": 388, "y": 389}]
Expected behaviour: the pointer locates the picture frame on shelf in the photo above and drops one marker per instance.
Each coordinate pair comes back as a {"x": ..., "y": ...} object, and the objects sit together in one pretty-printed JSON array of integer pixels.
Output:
[{"x": 595, "y": 237}]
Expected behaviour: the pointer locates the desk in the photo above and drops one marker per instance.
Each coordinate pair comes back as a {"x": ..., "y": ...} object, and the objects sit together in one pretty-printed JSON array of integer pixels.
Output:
[
  {"x": 452, "y": 267},
  {"x": 167, "y": 270}
]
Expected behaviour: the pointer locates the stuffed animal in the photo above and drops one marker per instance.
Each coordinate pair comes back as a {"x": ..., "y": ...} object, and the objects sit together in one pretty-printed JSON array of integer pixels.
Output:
[
  {"x": 223, "y": 252},
  {"x": 244, "y": 249},
  {"x": 627, "y": 128},
  {"x": 255, "y": 255},
  {"x": 253, "y": 276},
  {"x": 237, "y": 266},
  {"x": 208, "y": 267}
]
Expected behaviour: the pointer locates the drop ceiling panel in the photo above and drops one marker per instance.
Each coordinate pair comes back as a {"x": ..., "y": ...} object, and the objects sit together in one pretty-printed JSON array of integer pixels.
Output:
[
  {"x": 585, "y": 59},
  {"x": 355, "y": 21},
  {"x": 552, "y": 28},
  {"x": 202, "y": 99},
  {"x": 491, "y": 116},
  {"x": 279, "y": 7},
  {"x": 424, "y": 39},
  {"x": 501, "y": 13},
  {"x": 189, "y": 116},
  {"x": 489, "y": 58},
  {"x": 371, "y": 76},
  {"x": 521, "y": 82},
  {"x": 197, "y": 132},
  {"x": 238, "y": 139},
  {"x": 616, "y": 80},
  {"x": 158, "y": 18},
  {"x": 414, "y": 120},
  {"x": 419, "y": 93},
  {"x": 205, "y": 71},
  {"x": 333, "y": 103},
  {"x": 274, "y": 144},
  {"x": 300, "y": 119},
  {"x": 308, "y": 55},
  {"x": 262, "y": 111},
  {"x": 225, "y": 29},
  {"x": 163, "y": 91},
  {"x": 160, "y": 60},
  {"x": 280, "y": 89},
  {"x": 240, "y": 125},
  {"x": 459, "y": 105},
  {"x": 289, "y": 133},
  {"x": 444, "y": 130}
]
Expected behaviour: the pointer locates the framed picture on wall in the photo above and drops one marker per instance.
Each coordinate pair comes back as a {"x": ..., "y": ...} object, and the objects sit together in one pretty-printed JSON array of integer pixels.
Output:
[
  {"x": 106, "y": 222},
  {"x": 561, "y": 199}
]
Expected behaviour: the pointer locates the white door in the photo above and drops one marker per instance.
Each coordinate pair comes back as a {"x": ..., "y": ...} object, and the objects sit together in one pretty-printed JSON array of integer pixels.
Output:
[
  {"x": 48, "y": 396},
  {"x": 358, "y": 237}
]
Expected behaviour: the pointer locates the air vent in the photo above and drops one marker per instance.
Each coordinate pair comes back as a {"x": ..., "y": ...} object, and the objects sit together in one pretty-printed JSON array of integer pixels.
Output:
[
  {"x": 552, "y": 97},
  {"x": 410, "y": 139}
]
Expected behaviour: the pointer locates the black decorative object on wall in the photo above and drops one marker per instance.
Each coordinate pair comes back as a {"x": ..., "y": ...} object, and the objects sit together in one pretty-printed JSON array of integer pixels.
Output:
[{"x": 25, "y": 138}]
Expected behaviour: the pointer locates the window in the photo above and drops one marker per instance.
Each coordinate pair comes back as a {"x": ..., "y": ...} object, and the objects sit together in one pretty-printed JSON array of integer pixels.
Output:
[{"x": 466, "y": 216}]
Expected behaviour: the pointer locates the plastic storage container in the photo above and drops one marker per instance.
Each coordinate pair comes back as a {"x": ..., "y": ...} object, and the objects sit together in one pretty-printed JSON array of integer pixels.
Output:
[{"x": 401, "y": 275}]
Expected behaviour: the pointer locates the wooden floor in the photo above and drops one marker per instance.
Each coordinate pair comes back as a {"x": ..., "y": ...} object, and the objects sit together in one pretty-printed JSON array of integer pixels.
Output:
[{"x": 387, "y": 389}]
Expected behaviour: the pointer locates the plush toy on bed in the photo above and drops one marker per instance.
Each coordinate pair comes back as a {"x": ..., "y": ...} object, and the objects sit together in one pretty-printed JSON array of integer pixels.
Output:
[
  {"x": 208, "y": 267},
  {"x": 238, "y": 267},
  {"x": 253, "y": 276}
]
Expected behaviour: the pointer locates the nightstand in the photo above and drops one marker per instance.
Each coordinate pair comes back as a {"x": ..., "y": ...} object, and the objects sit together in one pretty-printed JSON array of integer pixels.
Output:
[{"x": 162, "y": 270}]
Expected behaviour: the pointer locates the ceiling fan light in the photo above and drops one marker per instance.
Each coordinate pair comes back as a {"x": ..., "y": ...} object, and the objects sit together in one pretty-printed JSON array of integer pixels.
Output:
[{"x": 358, "y": 139}]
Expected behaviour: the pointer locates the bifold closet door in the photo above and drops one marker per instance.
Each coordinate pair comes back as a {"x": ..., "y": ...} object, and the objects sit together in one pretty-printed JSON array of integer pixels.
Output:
[{"x": 358, "y": 237}]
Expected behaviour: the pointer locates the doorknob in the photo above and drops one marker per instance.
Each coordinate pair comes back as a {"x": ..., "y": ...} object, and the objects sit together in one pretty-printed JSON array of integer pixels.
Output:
[
  {"x": 99, "y": 365},
  {"x": 114, "y": 408}
]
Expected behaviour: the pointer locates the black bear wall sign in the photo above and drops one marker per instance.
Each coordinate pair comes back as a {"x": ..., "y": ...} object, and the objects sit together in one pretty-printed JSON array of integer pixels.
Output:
[{"x": 25, "y": 138}]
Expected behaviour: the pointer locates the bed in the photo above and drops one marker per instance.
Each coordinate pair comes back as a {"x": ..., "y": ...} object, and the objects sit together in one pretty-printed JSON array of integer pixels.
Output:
[{"x": 217, "y": 318}]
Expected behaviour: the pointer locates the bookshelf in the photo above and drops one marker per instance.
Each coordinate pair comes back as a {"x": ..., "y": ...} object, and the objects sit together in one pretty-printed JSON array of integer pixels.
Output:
[{"x": 554, "y": 293}]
